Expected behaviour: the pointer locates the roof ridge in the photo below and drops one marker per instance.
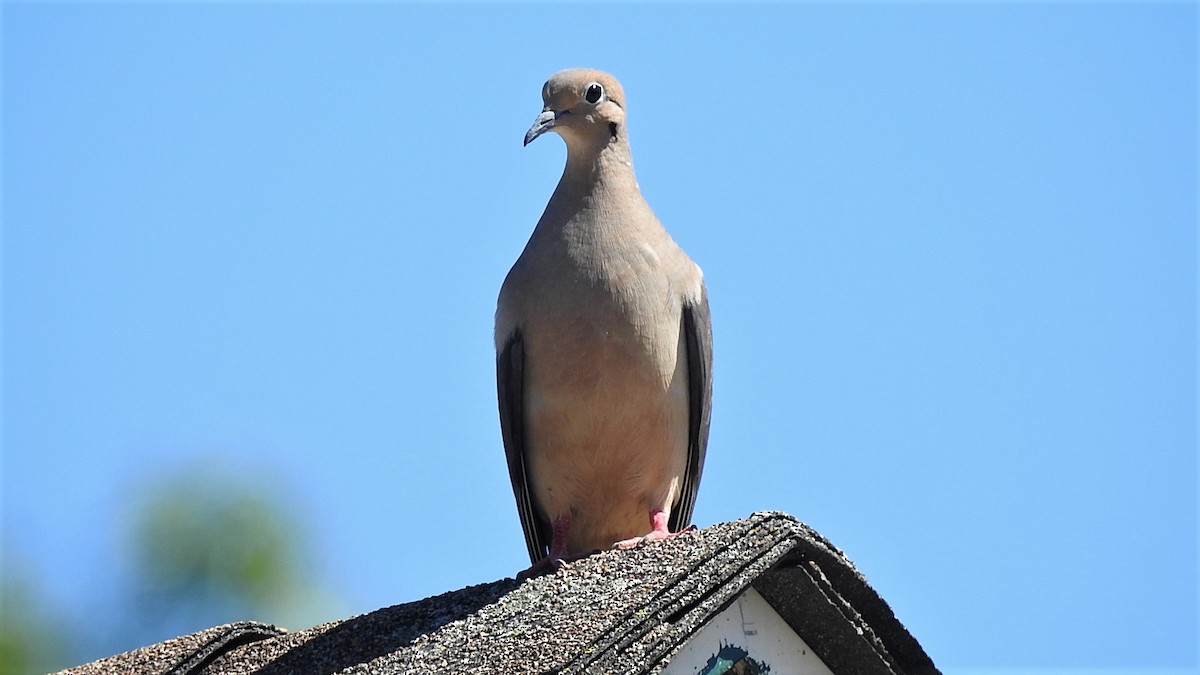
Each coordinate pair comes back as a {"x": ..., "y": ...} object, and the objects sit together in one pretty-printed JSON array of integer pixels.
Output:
[
  {"x": 233, "y": 636},
  {"x": 692, "y": 596},
  {"x": 621, "y": 612}
]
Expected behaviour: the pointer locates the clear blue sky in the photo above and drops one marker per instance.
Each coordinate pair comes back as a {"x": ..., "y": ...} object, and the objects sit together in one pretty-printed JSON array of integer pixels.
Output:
[{"x": 951, "y": 252}]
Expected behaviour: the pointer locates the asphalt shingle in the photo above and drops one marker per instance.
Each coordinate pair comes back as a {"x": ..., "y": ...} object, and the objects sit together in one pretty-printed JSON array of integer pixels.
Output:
[{"x": 614, "y": 612}]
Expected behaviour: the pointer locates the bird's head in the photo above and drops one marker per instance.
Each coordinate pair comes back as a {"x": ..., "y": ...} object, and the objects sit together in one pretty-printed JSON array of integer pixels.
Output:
[{"x": 586, "y": 107}]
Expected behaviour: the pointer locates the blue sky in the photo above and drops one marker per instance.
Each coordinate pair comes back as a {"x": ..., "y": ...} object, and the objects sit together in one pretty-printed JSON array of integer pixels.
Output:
[{"x": 950, "y": 249}]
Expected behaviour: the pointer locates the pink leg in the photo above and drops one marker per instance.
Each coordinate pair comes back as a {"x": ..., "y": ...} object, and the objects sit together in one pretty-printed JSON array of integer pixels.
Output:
[
  {"x": 558, "y": 551},
  {"x": 658, "y": 530},
  {"x": 558, "y": 541}
]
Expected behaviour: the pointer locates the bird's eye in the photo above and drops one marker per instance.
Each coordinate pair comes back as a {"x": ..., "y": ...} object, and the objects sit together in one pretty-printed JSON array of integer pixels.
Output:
[{"x": 594, "y": 93}]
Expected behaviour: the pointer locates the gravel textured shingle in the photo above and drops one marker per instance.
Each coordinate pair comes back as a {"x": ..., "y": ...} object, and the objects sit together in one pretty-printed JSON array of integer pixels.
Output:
[{"x": 615, "y": 612}]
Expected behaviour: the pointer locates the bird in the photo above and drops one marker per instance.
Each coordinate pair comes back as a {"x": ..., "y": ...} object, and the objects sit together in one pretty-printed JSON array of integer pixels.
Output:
[{"x": 603, "y": 348}]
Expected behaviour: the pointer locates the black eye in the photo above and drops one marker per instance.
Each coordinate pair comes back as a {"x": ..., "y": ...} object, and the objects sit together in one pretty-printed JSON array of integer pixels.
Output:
[{"x": 593, "y": 93}]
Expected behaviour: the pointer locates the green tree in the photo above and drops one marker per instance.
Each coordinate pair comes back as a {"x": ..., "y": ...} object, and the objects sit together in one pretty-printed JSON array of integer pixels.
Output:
[
  {"x": 208, "y": 547},
  {"x": 201, "y": 546},
  {"x": 33, "y": 638}
]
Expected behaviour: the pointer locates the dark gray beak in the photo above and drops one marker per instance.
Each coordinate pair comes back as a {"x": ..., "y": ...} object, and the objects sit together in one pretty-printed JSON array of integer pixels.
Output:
[{"x": 541, "y": 125}]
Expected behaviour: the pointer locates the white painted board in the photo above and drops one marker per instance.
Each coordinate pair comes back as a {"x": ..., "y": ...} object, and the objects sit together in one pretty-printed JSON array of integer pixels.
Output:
[{"x": 748, "y": 638}]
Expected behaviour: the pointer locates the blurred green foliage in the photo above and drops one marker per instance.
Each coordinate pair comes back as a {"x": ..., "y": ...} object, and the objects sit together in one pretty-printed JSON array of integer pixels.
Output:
[
  {"x": 32, "y": 638},
  {"x": 208, "y": 548},
  {"x": 199, "y": 547}
]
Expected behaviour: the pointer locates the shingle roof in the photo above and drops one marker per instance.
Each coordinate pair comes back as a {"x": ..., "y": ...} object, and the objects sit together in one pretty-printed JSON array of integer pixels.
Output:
[{"x": 615, "y": 612}]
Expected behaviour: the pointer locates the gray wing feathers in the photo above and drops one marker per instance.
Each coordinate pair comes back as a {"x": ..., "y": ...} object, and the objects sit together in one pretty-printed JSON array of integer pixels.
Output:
[
  {"x": 510, "y": 381},
  {"x": 697, "y": 327}
]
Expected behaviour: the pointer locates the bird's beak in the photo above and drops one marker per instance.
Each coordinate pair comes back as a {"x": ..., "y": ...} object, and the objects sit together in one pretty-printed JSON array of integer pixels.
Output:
[{"x": 541, "y": 125}]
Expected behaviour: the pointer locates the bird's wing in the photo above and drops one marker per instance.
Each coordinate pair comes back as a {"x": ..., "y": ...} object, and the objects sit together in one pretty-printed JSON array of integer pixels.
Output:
[
  {"x": 510, "y": 384},
  {"x": 697, "y": 329}
]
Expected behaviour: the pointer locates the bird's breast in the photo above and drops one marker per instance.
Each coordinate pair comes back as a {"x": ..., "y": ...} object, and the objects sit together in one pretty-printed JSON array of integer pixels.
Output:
[{"x": 606, "y": 411}]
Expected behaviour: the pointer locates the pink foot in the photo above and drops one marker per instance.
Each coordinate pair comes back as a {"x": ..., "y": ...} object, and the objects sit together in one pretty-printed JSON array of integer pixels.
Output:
[
  {"x": 550, "y": 565},
  {"x": 558, "y": 558},
  {"x": 659, "y": 531}
]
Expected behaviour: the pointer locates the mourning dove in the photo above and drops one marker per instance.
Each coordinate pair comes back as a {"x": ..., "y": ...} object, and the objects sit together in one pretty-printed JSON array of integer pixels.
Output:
[{"x": 604, "y": 347}]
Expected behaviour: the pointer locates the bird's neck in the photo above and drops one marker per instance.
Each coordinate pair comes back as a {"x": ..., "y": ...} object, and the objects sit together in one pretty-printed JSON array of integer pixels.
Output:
[{"x": 598, "y": 175}]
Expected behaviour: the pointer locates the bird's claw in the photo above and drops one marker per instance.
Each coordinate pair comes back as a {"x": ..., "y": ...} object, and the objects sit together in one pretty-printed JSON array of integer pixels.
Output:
[{"x": 550, "y": 565}]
